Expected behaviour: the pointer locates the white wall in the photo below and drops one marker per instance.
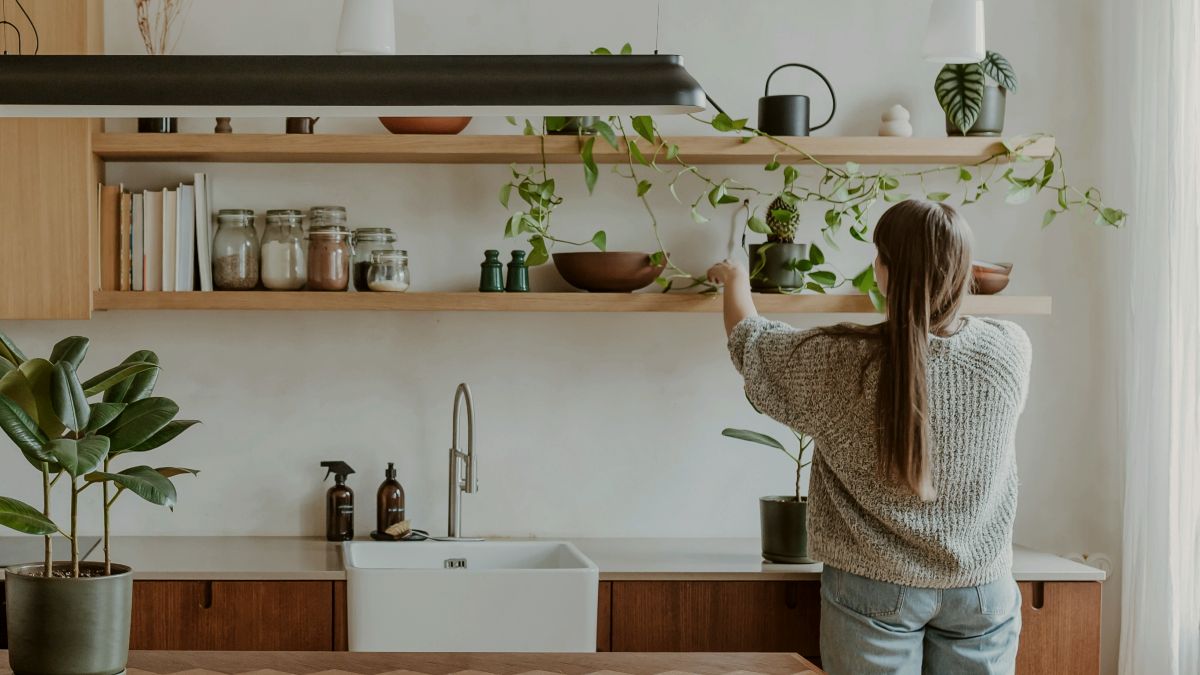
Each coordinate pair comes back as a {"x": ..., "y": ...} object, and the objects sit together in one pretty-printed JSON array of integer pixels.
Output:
[{"x": 591, "y": 425}]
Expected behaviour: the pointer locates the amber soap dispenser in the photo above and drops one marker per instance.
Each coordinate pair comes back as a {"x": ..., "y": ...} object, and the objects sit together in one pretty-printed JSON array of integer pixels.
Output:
[{"x": 389, "y": 502}]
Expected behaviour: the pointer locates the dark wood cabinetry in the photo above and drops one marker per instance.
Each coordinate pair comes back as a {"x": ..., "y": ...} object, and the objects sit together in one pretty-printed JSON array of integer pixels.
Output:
[
  {"x": 233, "y": 615},
  {"x": 604, "y": 618},
  {"x": 1060, "y": 630}
]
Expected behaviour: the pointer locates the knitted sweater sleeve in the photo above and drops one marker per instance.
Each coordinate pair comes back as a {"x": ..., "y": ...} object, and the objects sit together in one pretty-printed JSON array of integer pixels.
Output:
[{"x": 785, "y": 371}]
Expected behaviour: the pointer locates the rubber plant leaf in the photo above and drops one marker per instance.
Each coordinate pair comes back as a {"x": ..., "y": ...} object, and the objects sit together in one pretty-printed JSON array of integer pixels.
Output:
[
  {"x": 39, "y": 373},
  {"x": 163, "y": 436},
  {"x": 101, "y": 414},
  {"x": 14, "y": 385},
  {"x": 999, "y": 69},
  {"x": 6, "y": 366},
  {"x": 22, "y": 430},
  {"x": 139, "y": 422},
  {"x": 70, "y": 405},
  {"x": 22, "y": 517},
  {"x": 959, "y": 88},
  {"x": 172, "y": 471},
  {"x": 72, "y": 350},
  {"x": 142, "y": 481},
  {"x": 9, "y": 350},
  {"x": 79, "y": 457},
  {"x": 141, "y": 385},
  {"x": 114, "y": 376},
  {"x": 753, "y": 437}
]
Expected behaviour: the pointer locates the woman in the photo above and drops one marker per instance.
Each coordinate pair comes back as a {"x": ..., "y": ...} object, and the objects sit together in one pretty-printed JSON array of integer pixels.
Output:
[{"x": 914, "y": 481}]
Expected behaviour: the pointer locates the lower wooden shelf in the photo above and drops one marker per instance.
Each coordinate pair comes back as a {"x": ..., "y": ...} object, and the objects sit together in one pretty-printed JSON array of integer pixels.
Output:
[{"x": 526, "y": 302}]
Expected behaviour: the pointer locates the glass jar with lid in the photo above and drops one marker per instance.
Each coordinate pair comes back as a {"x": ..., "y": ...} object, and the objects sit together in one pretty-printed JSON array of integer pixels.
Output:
[
  {"x": 235, "y": 251},
  {"x": 283, "y": 251},
  {"x": 367, "y": 240},
  {"x": 388, "y": 271},
  {"x": 319, "y": 216},
  {"x": 329, "y": 255}
]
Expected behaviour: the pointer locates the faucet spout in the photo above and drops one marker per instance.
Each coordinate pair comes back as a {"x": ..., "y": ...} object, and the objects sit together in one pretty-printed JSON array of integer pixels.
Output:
[{"x": 462, "y": 476}]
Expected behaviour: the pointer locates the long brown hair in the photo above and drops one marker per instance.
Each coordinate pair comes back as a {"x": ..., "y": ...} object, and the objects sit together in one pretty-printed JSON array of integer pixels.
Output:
[{"x": 926, "y": 248}]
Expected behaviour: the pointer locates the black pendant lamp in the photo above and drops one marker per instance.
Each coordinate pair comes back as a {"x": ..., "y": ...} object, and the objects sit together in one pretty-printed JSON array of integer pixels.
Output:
[{"x": 345, "y": 86}]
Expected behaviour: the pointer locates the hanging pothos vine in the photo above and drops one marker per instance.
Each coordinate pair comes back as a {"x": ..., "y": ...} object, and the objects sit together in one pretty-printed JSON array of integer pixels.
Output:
[{"x": 846, "y": 191}]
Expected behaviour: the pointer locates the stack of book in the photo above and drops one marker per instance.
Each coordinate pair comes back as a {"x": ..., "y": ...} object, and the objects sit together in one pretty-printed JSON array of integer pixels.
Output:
[{"x": 155, "y": 240}]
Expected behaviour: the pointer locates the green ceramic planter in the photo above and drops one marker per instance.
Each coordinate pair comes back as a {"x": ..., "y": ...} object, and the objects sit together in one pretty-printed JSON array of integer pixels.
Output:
[
  {"x": 784, "y": 530},
  {"x": 60, "y": 626},
  {"x": 991, "y": 115},
  {"x": 773, "y": 275}
]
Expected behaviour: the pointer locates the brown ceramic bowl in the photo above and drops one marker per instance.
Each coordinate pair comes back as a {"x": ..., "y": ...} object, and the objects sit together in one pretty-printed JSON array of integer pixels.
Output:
[
  {"x": 989, "y": 278},
  {"x": 425, "y": 125},
  {"x": 607, "y": 271}
]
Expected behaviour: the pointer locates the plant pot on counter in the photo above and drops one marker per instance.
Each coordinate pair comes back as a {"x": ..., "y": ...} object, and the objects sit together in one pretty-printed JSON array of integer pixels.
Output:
[
  {"x": 784, "y": 530},
  {"x": 773, "y": 267},
  {"x": 67, "y": 626},
  {"x": 991, "y": 115}
]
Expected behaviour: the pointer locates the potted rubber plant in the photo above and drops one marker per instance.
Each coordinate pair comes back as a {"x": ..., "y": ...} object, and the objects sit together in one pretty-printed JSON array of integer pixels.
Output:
[
  {"x": 973, "y": 95},
  {"x": 783, "y": 517},
  {"x": 71, "y": 616}
]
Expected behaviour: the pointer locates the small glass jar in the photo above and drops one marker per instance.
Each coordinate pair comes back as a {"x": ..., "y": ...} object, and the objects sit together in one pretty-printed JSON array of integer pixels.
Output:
[
  {"x": 329, "y": 255},
  {"x": 320, "y": 216},
  {"x": 235, "y": 251},
  {"x": 388, "y": 271},
  {"x": 367, "y": 240},
  {"x": 283, "y": 251}
]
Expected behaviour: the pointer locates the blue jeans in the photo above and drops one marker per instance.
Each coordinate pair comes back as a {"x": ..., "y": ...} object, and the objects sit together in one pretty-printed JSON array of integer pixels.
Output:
[{"x": 870, "y": 626}]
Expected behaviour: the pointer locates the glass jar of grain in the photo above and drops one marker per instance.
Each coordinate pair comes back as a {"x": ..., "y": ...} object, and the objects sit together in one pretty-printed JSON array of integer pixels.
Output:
[
  {"x": 284, "y": 251},
  {"x": 367, "y": 240},
  {"x": 329, "y": 255},
  {"x": 388, "y": 271},
  {"x": 235, "y": 251}
]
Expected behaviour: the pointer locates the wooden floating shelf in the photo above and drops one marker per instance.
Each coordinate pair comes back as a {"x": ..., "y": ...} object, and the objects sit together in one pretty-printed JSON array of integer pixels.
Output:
[
  {"x": 433, "y": 149},
  {"x": 527, "y": 302}
]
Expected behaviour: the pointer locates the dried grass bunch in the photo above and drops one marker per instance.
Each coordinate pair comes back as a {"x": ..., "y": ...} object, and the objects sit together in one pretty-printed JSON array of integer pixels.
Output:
[{"x": 159, "y": 22}]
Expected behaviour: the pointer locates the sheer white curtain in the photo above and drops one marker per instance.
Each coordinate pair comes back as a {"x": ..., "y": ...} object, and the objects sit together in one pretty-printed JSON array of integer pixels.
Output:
[{"x": 1160, "y": 625}]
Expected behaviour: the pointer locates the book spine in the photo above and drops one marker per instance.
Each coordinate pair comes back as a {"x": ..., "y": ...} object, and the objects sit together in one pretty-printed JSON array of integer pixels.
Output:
[
  {"x": 124, "y": 278},
  {"x": 110, "y": 237}
]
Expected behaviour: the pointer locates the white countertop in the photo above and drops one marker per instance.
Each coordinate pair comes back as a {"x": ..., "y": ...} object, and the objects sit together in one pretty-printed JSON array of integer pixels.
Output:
[{"x": 310, "y": 558}]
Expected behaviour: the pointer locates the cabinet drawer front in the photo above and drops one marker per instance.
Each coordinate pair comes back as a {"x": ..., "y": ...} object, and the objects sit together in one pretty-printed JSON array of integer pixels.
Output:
[
  {"x": 716, "y": 616},
  {"x": 233, "y": 615},
  {"x": 1060, "y": 628}
]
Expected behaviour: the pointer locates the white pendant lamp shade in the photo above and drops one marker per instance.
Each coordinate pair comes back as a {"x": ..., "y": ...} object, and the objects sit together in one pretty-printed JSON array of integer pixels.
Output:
[
  {"x": 955, "y": 33},
  {"x": 367, "y": 27}
]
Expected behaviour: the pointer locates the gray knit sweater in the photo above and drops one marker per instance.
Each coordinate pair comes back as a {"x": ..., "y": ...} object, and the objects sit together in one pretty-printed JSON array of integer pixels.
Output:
[{"x": 867, "y": 525}]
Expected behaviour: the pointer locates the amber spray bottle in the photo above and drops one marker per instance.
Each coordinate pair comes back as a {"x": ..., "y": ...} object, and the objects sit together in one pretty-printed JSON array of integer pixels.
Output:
[{"x": 339, "y": 503}]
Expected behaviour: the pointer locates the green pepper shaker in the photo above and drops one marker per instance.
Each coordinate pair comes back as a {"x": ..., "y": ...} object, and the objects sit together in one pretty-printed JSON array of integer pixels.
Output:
[
  {"x": 491, "y": 274},
  {"x": 518, "y": 274}
]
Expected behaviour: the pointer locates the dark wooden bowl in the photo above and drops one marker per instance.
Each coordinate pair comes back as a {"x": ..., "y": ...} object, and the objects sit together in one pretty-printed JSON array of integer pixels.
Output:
[
  {"x": 425, "y": 125},
  {"x": 989, "y": 278},
  {"x": 607, "y": 271}
]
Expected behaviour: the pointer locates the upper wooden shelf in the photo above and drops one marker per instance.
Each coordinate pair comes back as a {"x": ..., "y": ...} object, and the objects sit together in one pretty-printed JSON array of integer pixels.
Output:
[
  {"x": 528, "y": 302},
  {"x": 431, "y": 149}
]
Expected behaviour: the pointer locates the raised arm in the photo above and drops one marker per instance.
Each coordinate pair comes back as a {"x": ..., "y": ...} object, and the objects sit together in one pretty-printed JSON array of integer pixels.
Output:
[{"x": 739, "y": 304}]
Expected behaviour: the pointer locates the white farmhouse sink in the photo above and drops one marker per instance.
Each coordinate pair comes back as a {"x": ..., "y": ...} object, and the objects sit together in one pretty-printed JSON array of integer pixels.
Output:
[{"x": 487, "y": 596}]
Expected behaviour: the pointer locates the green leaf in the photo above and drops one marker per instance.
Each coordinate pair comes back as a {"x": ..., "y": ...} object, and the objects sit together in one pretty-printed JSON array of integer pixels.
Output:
[
  {"x": 72, "y": 350},
  {"x": 22, "y": 430},
  {"x": 643, "y": 187},
  {"x": 772, "y": 165},
  {"x": 1049, "y": 217},
  {"x": 790, "y": 174},
  {"x": 672, "y": 151},
  {"x": 715, "y": 195},
  {"x": 606, "y": 132},
  {"x": 6, "y": 366},
  {"x": 168, "y": 433},
  {"x": 505, "y": 193},
  {"x": 938, "y": 196},
  {"x": 511, "y": 120},
  {"x": 591, "y": 172},
  {"x": 864, "y": 280},
  {"x": 815, "y": 287},
  {"x": 877, "y": 300},
  {"x": 753, "y": 437},
  {"x": 22, "y": 517},
  {"x": 8, "y": 350},
  {"x": 1113, "y": 217},
  {"x": 14, "y": 385},
  {"x": 635, "y": 153},
  {"x": 758, "y": 225},
  {"x": 815, "y": 254},
  {"x": 538, "y": 255},
  {"x": 39, "y": 373},
  {"x": 142, "y": 481},
  {"x": 698, "y": 217},
  {"x": 964, "y": 175},
  {"x": 1018, "y": 194},
  {"x": 557, "y": 123},
  {"x": 70, "y": 404},
  {"x": 602, "y": 51},
  {"x": 529, "y": 130},
  {"x": 626, "y": 49},
  {"x": 644, "y": 126},
  {"x": 824, "y": 278},
  {"x": 114, "y": 376},
  {"x": 888, "y": 183},
  {"x": 139, "y": 422},
  {"x": 959, "y": 88},
  {"x": 999, "y": 69},
  {"x": 1062, "y": 198},
  {"x": 722, "y": 122},
  {"x": 79, "y": 457},
  {"x": 101, "y": 414},
  {"x": 658, "y": 258},
  {"x": 172, "y": 471},
  {"x": 833, "y": 218},
  {"x": 600, "y": 240},
  {"x": 852, "y": 168}
]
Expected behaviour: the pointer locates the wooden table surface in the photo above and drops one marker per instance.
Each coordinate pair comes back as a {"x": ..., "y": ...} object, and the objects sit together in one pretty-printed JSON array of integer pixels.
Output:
[{"x": 344, "y": 663}]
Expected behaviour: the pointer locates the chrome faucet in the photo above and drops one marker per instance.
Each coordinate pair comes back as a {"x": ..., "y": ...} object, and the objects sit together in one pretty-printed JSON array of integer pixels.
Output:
[{"x": 462, "y": 465}]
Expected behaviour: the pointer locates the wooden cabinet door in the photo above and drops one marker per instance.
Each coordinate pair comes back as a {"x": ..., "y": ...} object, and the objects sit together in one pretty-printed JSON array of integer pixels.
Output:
[
  {"x": 233, "y": 615},
  {"x": 1060, "y": 630},
  {"x": 716, "y": 616},
  {"x": 604, "y": 618}
]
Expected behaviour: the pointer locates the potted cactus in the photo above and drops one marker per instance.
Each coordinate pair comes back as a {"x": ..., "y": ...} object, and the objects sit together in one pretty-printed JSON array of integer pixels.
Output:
[
  {"x": 72, "y": 617},
  {"x": 783, "y": 518},
  {"x": 781, "y": 264}
]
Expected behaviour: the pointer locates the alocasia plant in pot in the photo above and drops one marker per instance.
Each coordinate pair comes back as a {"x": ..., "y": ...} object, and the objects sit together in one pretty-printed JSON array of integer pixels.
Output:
[
  {"x": 72, "y": 617},
  {"x": 784, "y": 532},
  {"x": 973, "y": 95}
]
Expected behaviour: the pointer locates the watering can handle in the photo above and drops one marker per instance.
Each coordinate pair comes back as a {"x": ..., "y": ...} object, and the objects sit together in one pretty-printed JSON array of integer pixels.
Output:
[{"x": 832, "y": 96}]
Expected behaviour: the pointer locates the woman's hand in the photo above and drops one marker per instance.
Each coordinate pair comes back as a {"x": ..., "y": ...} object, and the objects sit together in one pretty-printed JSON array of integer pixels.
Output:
[{"x": 728, "y": 273}]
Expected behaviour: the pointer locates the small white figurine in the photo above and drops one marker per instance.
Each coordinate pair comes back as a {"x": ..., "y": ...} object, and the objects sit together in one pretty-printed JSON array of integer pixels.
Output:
[{"x": 895, "y": 122}]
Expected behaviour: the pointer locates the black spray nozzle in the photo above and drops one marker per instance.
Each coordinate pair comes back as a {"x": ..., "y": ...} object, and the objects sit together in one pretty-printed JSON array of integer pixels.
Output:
[{"x": 338, "y": 469}]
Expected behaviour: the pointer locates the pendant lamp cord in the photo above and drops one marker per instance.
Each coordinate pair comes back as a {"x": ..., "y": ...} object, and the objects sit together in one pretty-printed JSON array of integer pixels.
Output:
[
  {"x": 657, "y": 26},
  {"x": 5, "y": 22}
]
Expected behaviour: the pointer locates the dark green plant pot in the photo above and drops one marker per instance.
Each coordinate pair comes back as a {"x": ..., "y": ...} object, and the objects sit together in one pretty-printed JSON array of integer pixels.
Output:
[
  {"x": 576, "y": 126},
  {"x": 991, "y": 115},
  {"x": 771, "y": 267},
  {"x": 60, "y": 626},
  {"x": 784, "y": 531}
]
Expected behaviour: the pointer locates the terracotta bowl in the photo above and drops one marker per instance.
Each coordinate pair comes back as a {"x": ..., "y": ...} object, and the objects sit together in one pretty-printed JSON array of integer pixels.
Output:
[
  {"x": 425, "y": 125},
  {"x": 989, "y": 278},
  {"x": 607, "y": 271}
]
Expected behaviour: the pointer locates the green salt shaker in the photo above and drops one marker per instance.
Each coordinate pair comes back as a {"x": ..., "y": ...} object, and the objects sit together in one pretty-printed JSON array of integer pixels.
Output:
[
  {"x": 518, "y": 274},
  {"x": 491, "y": 273}
]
